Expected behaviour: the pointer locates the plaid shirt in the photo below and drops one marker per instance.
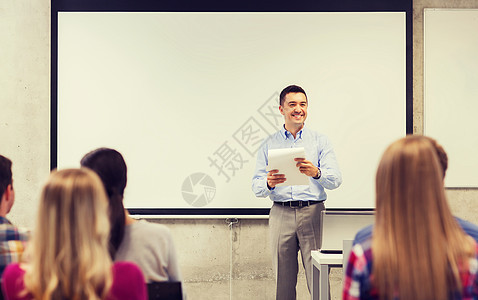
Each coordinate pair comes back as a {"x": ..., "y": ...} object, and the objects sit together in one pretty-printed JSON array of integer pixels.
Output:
[
  {"x": 358, "y": 285},
  {"x": 12, "y": 243}
]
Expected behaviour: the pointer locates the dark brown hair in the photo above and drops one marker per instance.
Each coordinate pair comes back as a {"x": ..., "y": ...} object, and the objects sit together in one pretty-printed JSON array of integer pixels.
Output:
[{"x": 111, "y": 168}]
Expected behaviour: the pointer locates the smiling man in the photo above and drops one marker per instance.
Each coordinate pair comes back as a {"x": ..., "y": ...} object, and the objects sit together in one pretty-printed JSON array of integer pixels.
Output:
[{"x": 294, "y": 219}]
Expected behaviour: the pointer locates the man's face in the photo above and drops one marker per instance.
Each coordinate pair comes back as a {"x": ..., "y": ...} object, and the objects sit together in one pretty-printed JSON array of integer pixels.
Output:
[{"x": 294, "y": 109}]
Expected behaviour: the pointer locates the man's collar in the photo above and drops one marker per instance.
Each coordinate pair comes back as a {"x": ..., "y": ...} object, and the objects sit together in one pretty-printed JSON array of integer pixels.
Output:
[{"x": 286, "y": 134}]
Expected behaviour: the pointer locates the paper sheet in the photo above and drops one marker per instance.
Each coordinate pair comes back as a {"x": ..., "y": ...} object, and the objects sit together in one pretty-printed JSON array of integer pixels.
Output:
[{"x": 283, "y": 160}]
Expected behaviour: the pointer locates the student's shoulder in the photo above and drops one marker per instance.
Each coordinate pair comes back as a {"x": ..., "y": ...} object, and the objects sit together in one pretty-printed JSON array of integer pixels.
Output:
[
  {"x": 465, "y": 223},
  {"x": 11, "y": 232},
  {"x": 13, "y": 270},
  {"x": 150, "y": 228},
  {"x": 128, "y": 282},
  {"x": 125, "y": 267},
  {"x": 363, "y": 235},
  {"x": 469, "y": 228},
  {"x": 12, "y": 278}
]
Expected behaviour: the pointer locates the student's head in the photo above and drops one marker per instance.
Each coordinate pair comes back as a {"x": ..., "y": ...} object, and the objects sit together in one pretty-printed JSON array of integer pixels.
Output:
[
  {"x": 69, "y": 255},
  {"x": 409, "y": 175},
  {"x": 412, "y": 219},
  {"x": 7, "y": 194},
  {"x": 111, "y": 168},
  {"x": 293, "y": 106}
]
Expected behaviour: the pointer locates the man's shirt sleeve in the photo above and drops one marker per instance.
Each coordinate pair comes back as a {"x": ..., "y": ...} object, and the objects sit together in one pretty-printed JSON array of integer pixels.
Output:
[
  {"x": 259, "y": 180},
  {"x": 331, "y": 177}
]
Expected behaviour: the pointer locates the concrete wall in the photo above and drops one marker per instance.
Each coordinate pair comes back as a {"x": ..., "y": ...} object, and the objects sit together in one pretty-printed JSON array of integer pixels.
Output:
[
  {"x": 25, "y": 99},
  {"x": 219, "y": 260},
  {"x": 463, "y": 202}
]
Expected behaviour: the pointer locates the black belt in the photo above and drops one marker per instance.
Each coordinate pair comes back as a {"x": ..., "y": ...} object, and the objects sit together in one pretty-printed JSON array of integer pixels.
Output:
[{"x": 298, "y": 203}]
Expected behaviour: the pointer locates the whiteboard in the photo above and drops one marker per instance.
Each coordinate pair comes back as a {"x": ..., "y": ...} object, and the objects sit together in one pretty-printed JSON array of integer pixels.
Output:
[
  {"x": 187, "y": 97},
  {"x": 451, "y": 89},
  {"x": 337, "y": 226}
]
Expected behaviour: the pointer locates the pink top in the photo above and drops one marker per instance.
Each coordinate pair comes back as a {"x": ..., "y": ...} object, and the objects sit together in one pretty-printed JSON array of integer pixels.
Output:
[{"x": 128, "y": 283}]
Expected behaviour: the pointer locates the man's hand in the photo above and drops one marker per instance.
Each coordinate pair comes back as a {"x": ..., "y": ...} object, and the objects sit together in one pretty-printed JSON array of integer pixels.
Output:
[
  {"x": 306, "y": 167},
  {"x": 274, "y": 179}
]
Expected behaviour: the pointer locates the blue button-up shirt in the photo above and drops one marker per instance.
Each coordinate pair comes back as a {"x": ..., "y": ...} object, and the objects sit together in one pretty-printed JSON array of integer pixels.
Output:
[{"x": 318, "y": 150}]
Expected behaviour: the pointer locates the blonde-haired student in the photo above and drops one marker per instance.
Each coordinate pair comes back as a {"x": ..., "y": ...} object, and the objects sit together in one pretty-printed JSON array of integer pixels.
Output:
[{"x": 68, "y": 256}]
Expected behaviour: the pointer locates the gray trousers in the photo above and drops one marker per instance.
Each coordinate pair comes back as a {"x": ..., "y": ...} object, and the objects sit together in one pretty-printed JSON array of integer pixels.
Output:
[{"x": 292, "y": 229}]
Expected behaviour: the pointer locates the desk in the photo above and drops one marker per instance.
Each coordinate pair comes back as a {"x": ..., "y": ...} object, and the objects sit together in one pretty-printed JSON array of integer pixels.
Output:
[{"x": 321, "y": 264}]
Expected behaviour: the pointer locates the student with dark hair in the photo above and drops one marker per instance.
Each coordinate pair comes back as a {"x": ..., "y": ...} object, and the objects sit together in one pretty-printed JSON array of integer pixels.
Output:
[
  {"x": 12, "y": 238},
  {"x": 148, "y": 245},
  {"x": 416, "y": 250},
  {"x": 68, "y": 256},
  {"x": 111, "y": 168}
]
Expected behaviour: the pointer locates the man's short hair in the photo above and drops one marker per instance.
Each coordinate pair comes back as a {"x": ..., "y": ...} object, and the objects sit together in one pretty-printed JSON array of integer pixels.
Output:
[
  {"x": 290, "y": 89},
  {"x": 5, "y": 174}
]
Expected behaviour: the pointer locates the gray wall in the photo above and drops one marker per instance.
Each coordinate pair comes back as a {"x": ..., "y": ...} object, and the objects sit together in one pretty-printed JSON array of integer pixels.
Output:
[{"x": 211, "y": 251}]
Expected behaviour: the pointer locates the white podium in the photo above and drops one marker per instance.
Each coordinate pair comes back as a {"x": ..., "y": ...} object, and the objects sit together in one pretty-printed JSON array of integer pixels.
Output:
[{"x": 321, "y": 264}]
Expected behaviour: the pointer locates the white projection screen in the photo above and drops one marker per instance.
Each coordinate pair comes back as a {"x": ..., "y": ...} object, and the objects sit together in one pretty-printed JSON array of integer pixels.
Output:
[
  {"x": 187, "y": 98},
  {"x": 450, "y": 89}
]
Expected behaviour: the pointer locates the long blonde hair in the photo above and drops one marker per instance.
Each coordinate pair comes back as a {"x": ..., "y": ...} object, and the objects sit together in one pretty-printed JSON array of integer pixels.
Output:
[
  {"x": 68, "y": 253},
  {"x": 417, "y": 246}
]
